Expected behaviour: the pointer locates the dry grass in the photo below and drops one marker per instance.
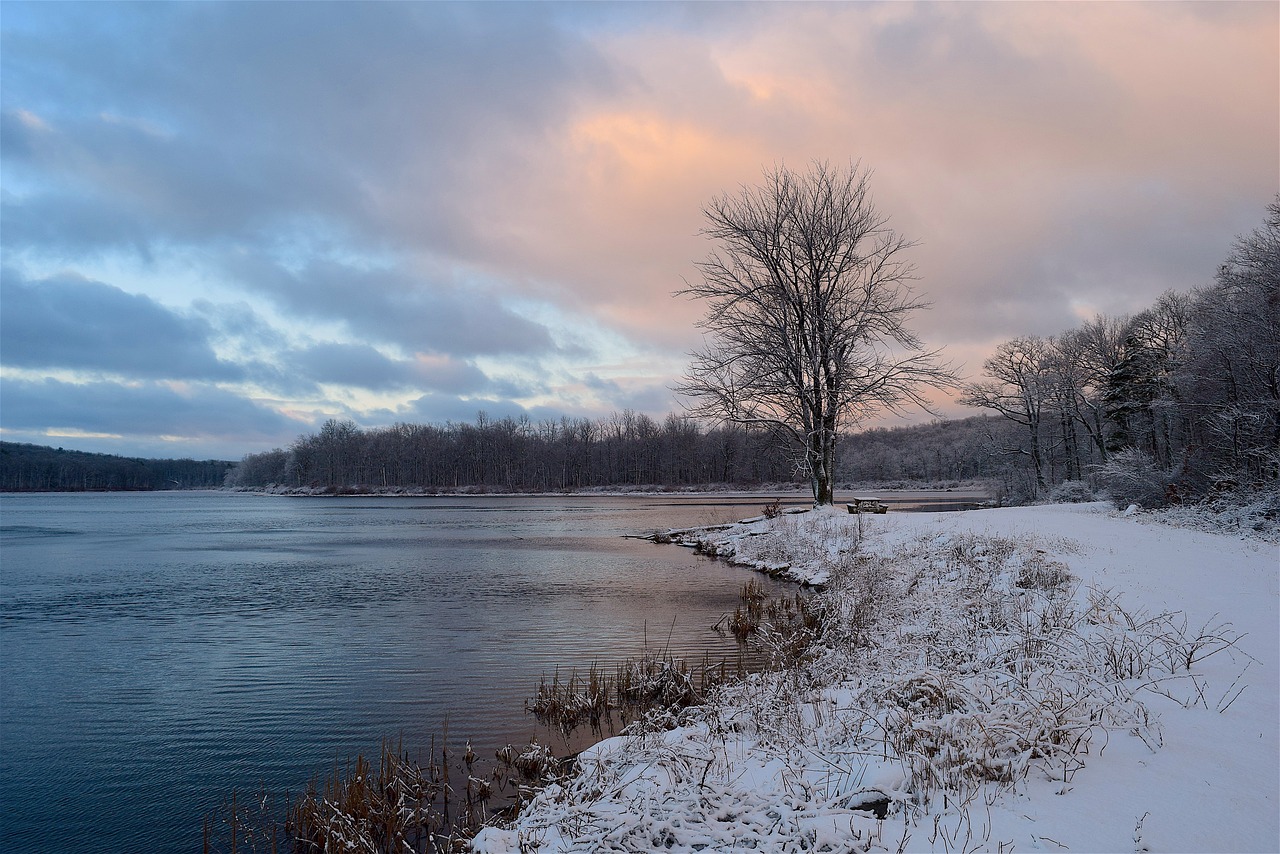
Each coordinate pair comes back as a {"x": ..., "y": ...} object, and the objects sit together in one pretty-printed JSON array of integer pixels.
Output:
[
  {"x": 746, "y": 618},
  {"x": 569, "y": 704},
  {"x": 399, "y": 806},
  {"x": 652, "y": 684},
  {"x": 243, "y": 826}
]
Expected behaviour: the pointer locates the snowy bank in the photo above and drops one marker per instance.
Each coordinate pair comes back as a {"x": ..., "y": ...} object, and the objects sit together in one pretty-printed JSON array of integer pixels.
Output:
[{"x": 1026, "y": 679}]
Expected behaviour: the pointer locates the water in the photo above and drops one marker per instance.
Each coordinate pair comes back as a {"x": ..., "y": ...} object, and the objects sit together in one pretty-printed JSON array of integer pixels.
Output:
[{"x": 159, "y": 650}]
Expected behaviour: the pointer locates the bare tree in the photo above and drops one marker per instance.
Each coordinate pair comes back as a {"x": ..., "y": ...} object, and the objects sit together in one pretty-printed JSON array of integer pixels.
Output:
[
  {"x": 1088, "y": 357},
  {"x": 1020, "y": 387},
  {"x": 807, "y": 302}
]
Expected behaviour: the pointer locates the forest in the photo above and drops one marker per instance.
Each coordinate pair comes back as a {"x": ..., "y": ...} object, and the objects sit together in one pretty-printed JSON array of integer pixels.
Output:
[
  {"x": 518, "y": 455},
  {"x": 1173, "y": 404},
  {"x": 627, "y": 450},
  {"x": 37, "y": 468}
]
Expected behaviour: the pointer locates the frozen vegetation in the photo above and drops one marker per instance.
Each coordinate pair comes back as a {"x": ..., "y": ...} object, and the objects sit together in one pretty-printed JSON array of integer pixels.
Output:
[{"x": 1054, "y": 678}]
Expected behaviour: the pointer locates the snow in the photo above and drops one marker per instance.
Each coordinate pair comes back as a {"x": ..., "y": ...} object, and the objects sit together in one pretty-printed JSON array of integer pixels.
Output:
[{"x": 996, "y": 680}]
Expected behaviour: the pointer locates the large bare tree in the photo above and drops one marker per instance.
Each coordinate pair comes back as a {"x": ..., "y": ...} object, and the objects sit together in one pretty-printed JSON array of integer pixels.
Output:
[{"x": 807, "y": 302}]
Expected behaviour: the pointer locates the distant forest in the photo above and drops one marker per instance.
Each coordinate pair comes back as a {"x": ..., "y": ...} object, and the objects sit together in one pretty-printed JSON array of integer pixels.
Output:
[
  {"x": 513, "y": 455},
  {"x": 624, "y": 450},
  {"x": 37, "y": 468}
]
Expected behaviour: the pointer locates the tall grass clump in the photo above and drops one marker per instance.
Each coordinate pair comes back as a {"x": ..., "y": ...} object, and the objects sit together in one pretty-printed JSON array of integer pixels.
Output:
[
  {"x": 747, "y": 617},
  {"x": 569, "y": 704},
  {"x": 655, "y": 683},
  {"x": 396, "y": 806}
]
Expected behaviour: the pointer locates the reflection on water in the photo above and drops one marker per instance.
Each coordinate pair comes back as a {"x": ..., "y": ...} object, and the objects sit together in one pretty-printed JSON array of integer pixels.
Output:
[
  {"x": 158, "y": 651},
  {"x": 161, "y": 650}
]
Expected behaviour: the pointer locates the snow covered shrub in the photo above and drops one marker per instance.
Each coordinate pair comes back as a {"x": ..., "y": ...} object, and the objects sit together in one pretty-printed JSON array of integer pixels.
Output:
[
  {"x": 1071, "y": 492},
  {"x": 1040, "y": 573},
  {"x": 1132, "y": 477},
  {"x": 805, "y": 547},
  {"x": 790, "y": 628},
  {"x": 1250, "y": 510},
  {"x": 535, "y": 763},
  {"x": 947, "y": 751},
  {"x": 661, "y": 682},
  {"x": 929, "y": 692},
  {"x": 858, "y": 592},
  {"x": 1129, "y": 644}
]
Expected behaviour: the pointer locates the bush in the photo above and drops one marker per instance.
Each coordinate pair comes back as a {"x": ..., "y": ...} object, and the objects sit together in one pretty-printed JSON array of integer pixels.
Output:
[
  {"x": 1132, "y": 477},
  {"x": 1071, "y": 492}
]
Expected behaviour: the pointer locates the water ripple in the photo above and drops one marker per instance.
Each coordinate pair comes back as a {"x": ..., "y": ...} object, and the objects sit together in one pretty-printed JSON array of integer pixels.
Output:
[{"x": 161, "y": 650}]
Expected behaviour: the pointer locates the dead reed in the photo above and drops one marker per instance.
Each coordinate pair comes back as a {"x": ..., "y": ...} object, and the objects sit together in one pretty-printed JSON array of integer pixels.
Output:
[
  {"x": 399, "y": 805},
  {"x": 784, "y": 626},
  {"x": 243, "y": 826},
  {"x": 567, "y": 705},
  {"x": 652, "y": 682},
  {"x": 746, "y": 618}
]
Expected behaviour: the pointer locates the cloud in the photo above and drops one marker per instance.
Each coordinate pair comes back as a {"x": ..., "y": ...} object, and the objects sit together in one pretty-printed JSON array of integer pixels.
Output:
[
  {"x": 452, "y": 376},
  {"x": 77, "y": 324},
  {"x": 379, "y": 120},
  {"x": 357, "y": 365},
  {"x": 65, "y": 223},
  {"x": 183, "y": 416},
  {"x": 361, "y": 366},
  {"x": 632, "y": 393},
  {"x": 434, "y": 408},
  {"x": 411, "y": 209},
  {"x": 429, "y": 313}
]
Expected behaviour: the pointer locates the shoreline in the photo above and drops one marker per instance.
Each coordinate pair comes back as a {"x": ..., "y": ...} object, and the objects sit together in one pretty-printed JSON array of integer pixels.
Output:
[
  {"x": 976, "y": 488},
  {"x": 681, "y": 785}
]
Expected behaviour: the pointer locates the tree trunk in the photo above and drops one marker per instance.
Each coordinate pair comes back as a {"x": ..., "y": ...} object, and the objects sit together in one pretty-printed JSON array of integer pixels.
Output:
[
  {"x": 1036, "y": 459},
  {"x": 822, "y": 465}
]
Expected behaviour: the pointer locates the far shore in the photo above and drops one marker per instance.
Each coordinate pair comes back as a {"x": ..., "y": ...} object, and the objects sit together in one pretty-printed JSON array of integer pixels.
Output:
[{"x": 891, "y": 494}]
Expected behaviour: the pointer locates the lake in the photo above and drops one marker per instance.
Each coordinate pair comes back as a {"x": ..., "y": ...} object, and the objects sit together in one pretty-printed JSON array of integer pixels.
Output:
[{"x": 159, "y": 650}]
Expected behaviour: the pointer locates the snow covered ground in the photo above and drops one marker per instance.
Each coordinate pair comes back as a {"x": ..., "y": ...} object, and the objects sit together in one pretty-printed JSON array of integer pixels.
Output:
[{"x": 1027, "y": 679}]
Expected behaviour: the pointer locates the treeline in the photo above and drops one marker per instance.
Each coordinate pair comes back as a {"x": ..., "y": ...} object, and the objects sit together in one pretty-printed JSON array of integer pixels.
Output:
[
  {"x": 38, "y": 468},
  {"x": 519, "y": 455},
  {"x": 629, "y": 449},
  {"x": 1175, "y": 403},
  {"x": 963, "y": 449}
]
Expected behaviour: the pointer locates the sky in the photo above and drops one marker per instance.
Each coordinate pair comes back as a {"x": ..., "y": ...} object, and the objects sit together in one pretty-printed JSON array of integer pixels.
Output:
[{"x": 224, "y": 223}]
